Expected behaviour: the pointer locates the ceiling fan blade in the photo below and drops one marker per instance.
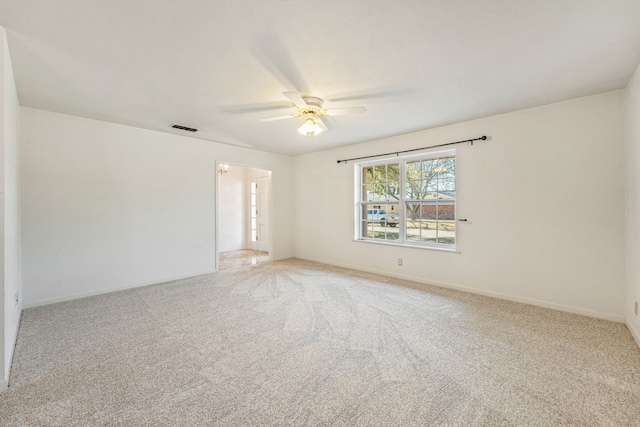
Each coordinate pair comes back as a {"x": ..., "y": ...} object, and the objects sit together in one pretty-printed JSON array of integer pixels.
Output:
[
  {"x": 344, "y": 111},
  {"x": 295, "y": 98},
  {"x": 270, "y": 119},
  {"x": 321, "y": 124},
  {"x": 256, "y": 108},
  {"x": 272, "y": 53},
  {"x": 387, "y": 92}
]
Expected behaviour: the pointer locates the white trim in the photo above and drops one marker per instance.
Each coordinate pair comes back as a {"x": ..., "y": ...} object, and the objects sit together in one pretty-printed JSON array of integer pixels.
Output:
[
  {"x": 55, "y": 300},
  {"x": 408, "y": 245},
  {"x": 252, "y": 244},
  {"x": 13, "y": 349},
  {"x": 498, "y": 295},
  {"x": 634, "y": 333},
  {"x": 216, "y": 240}
]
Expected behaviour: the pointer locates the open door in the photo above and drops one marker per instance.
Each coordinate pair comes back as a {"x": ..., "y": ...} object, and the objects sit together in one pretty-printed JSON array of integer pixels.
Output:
[{"x": 262, "y": 214}]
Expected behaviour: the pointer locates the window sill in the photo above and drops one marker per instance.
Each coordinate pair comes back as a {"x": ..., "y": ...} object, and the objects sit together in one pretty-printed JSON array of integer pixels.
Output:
[{"x": 408, "y": 245}]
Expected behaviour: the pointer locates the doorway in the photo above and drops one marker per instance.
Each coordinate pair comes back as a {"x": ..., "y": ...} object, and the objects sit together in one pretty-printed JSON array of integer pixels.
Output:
[{"x": 243, "y": 212}]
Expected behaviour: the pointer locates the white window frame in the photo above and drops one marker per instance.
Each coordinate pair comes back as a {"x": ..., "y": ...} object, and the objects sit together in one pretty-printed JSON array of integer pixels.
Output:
[{"x": 402, "y": 202}]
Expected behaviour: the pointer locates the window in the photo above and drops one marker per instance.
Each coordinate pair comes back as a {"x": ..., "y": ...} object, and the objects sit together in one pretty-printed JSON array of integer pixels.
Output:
[{"x": 409, "y": 200}]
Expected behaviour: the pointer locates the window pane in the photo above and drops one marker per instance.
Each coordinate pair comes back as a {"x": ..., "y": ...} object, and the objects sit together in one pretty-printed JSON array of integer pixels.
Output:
[
  {"x": 413, "y": 232},
  {"x": 393, "y": 191},
  {"x": 380, "y": 221},
  {"x": 412, "y": 223},
  {"x": 367, "y": 229},
  {"x": 413, "y": 190},
  {"x": 384, "y": 183},
  {"x": 391, "y": 218},
  {"x": 447, "y": 175},
  {"x": 378, "y": 233},
  {"x": 446, "y": 224},
  {"x": 413, "y": 211},
  {"x": 377, "y": 192},
  {"x": 431, "y": 183},
  {"x": 365, "y": 193},
  {"x": 446, "y": 211},
  {"x": 365, "y": 211},
  {"x": 431, "y": 193},
  {"x": 393, "y": 174},
  {"x": 429, "y": 178},
  {"x": 429, "y": 213},
  {"x": 367, "y": 174},
  {"x": 429, "y": 168},
  {"x": 412, "y": 229},
  {"x": 393, "y": 234},
  {"x": 428, "y": 237},
  {"x": 379, "y": 173},
  {"x": 391, "y": 209},
  {"x": 413, "y": 171}
]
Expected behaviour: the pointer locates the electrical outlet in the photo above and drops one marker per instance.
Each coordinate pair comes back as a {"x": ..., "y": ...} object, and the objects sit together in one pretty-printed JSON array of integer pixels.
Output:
[
  {"x": 400, "y": 263},
  {"x": 16, "y": 297},
  {"x": 636, "y": 309}
]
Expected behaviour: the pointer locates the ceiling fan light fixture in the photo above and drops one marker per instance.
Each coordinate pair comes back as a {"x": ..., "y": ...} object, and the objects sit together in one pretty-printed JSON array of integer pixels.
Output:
[
  {"x": 310, "y": 127},
  {"x": 310, "y": 107}
]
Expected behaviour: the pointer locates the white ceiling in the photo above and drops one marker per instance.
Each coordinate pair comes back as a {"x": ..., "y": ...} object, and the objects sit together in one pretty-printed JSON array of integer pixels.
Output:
[{"x": 222, "y": 65}]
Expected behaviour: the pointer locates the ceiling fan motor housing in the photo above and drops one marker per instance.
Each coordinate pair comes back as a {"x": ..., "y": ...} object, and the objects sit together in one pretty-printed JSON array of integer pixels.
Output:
[
  {"x": 314, "y": 105},
  {"x": 313, "y": 101}
]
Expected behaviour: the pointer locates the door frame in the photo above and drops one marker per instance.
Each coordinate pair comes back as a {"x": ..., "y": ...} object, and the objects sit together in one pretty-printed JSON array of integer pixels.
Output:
[{"x": 247, "y": 224}]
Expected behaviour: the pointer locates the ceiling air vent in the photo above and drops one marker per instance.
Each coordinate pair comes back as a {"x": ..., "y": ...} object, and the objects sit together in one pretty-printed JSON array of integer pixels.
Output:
[{"x": 188, "y": 129}]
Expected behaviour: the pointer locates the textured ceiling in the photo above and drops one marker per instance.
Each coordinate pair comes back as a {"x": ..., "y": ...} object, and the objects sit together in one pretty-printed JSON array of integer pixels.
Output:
[{"x": 222, "y": 65}]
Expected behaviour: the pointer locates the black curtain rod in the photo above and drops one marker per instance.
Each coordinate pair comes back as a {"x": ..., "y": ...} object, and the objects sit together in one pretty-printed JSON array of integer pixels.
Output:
[{"x": 482, "y": 138}]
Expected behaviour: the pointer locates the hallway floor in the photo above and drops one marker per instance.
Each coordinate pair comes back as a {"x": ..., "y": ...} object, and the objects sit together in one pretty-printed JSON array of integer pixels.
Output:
[{"x": 243, "y": 258}]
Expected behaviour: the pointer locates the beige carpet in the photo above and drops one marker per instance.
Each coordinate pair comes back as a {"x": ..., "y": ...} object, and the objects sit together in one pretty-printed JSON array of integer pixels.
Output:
[{"x": 298, "y": 343}]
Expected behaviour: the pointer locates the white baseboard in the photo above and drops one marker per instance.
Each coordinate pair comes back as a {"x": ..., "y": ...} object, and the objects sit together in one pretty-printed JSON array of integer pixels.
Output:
[
  {"x": 635, "y": 333},
  {"x": 71, "y": 297},
  {"x": 514, "y": 298}
]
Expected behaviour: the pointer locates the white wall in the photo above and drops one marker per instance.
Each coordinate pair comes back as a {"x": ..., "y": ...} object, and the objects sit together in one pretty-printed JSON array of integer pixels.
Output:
[
  {"x": 107, "y": 206},
  {"x": 633, "y": 205},
  {"x": 10, "y": 216},
  {"x": 544, "y": 198},
  {"x": 233, "y": 198}
]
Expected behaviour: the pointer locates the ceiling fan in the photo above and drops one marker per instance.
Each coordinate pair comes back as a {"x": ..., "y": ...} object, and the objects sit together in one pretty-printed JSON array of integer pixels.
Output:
[{"x": 311, "y": 109}]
